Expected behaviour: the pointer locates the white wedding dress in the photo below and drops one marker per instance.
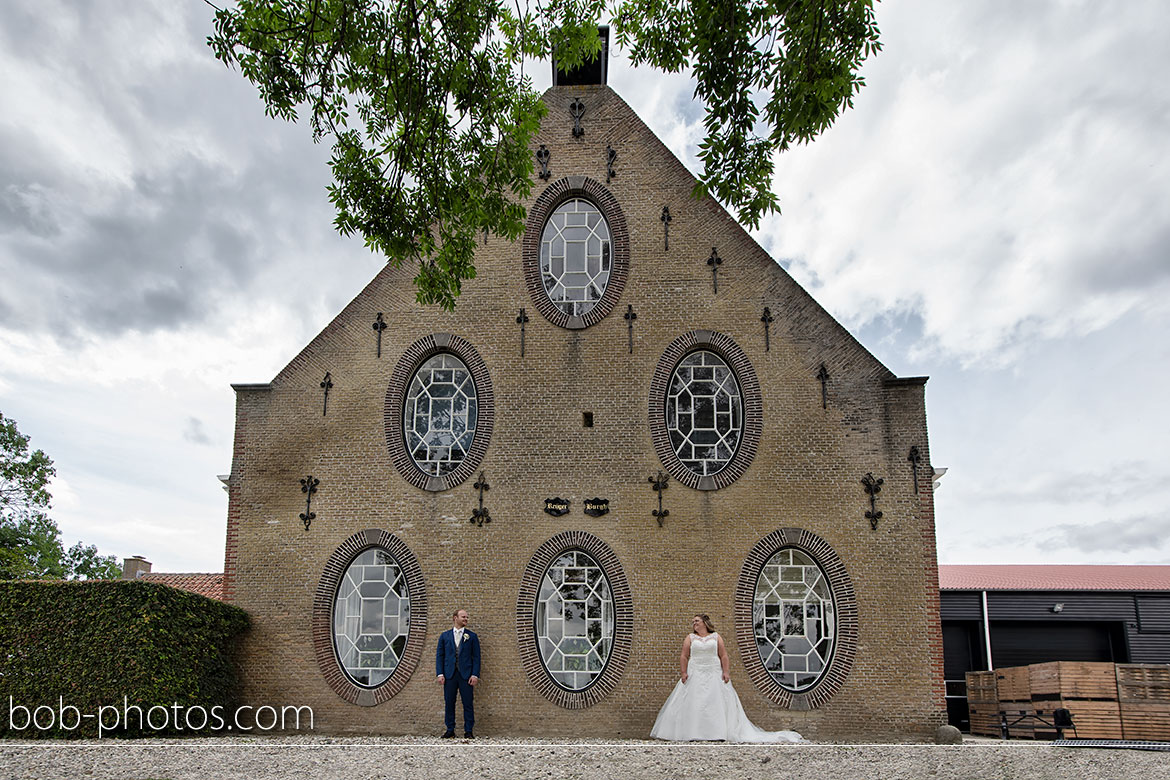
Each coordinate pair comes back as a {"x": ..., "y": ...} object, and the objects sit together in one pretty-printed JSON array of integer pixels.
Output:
[{"x": 705, "y": 707}]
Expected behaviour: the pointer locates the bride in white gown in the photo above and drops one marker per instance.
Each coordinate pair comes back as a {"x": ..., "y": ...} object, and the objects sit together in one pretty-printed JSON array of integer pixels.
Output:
[{"x": 703, "y": 705}]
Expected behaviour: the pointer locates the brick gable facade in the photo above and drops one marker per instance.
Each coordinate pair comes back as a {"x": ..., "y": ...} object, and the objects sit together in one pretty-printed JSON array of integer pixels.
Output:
[{"x": 812, "y": 451}]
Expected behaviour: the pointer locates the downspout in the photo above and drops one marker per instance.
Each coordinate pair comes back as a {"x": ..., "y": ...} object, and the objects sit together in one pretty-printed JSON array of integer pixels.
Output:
[{"x": 987, "y": 632}]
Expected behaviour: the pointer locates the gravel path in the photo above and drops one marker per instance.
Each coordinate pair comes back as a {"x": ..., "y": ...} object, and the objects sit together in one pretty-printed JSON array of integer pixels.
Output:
[{"x": 322, "y": 758}]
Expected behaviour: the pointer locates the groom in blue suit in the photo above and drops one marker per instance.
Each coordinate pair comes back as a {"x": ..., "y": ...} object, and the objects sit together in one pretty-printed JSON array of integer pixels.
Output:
[{"x": 457, "y": 670}]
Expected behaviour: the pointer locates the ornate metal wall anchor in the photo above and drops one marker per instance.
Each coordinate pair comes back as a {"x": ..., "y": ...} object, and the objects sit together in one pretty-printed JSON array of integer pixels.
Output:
[
  {"x": 481, "y": 516},
  {"x": 767, "y": 319},
  {"x": 309, "y": 487},
  {"x": 542, "y": 157},
  {"x": 326, "y": 384},
  {"x": 665, "y": 228},
  {"x": 522, "y": 320},
  {"x": 872, "y": 487},
  {"x": 823, "y": 375},
  {"x": 577, "y": 110},
  {"x": 715, "y": 261},
  {"x": 610, "y": 157},
  {"x": 379, "y": 326},
  {"x": 915, "y": 458},
  {"x": 658, "y": 485},
  {"x": 630, "y": 317}
]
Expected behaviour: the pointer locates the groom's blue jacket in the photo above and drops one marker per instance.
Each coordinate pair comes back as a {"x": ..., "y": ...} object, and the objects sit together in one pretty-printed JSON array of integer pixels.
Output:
[{"x": 467, "y": 661}]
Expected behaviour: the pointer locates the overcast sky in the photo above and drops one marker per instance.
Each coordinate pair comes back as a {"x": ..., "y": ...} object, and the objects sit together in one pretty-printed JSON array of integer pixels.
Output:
[{"x": 993, "y": 213}]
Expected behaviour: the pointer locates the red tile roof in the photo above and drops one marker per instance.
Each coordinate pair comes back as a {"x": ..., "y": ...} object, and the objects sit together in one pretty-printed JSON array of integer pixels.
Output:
[
  {"x": 209, "y": 585},
  {"x": 1052, "y": 577}
]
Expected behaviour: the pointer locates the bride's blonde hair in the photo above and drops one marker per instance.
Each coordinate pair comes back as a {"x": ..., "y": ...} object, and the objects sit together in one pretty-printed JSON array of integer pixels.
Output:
[{"x": 707, "y": 622}]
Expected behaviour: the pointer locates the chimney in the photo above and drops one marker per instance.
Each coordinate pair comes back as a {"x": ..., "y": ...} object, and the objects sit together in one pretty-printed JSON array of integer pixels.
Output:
[
  {"x": 588, "y": 73},
  {"x": 133, "y": 568}
]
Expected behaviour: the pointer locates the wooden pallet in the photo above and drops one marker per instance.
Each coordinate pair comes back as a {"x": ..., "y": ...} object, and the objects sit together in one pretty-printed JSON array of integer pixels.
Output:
[
  {"x": 1013, "y": 684},
  {"x": 984, "y": 717},
  {"x": 1144, "y": 690},
  {"x": 981, "y": 687},
  {"x": 1143, "y": 682},
  {"x": 1093, "y": 719},
  {"x": 1072, "y": 680},
  {"x": 1145, "y": 721}
]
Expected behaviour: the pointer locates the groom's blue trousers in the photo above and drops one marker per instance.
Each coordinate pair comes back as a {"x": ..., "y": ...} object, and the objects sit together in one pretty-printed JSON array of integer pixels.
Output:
[{"x": 451, "y": 685}]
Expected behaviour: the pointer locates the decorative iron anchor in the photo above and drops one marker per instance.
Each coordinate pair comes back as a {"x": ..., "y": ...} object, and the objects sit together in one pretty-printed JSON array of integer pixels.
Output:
[
  {"x": 577, "y": 110},
  {"x": 309, "y": 487},
  {"x": 659, "y": 485},
  {"x": 767, "y": 319},
  {"x": 522, "y": 320},
  {"x": 715, "y": 261},
  {"x": 481, "y": 516},
  {"x": 665, "y": 228},
  {"x": 823, "y": 375},
  {"x": 630, "y": 317},
  {"x": 872, "y": 487},
  {"x": 610, "y": 157},
  {"x": 379, "y": 326},
  {"x": 915, "y": 458},
  {"x": 542, "y": 157},
  {"x": 326, "y": 384}
]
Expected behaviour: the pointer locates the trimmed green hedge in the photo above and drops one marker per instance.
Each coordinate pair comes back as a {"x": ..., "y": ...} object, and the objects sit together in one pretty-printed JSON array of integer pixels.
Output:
[{"x": 118, "y": 644}]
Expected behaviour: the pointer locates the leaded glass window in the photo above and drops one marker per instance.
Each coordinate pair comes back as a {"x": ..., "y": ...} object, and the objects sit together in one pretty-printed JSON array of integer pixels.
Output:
[
  {"x": 574, "y": 620},
  {"x": 704, "y": 412},
  {"x": 440, "y": 414},
  {"x": 575, "y": 256},
  {"x": 371, "y": 618},
  {"x": 793, "y": 619}
]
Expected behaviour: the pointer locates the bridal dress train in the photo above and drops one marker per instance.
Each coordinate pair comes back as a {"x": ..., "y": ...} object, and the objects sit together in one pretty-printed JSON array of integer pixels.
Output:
[{"x": 706, "y": 708}]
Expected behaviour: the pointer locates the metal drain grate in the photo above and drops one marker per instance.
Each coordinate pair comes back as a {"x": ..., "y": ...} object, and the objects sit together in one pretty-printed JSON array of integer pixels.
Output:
[{"x": 1116, "y": 744}]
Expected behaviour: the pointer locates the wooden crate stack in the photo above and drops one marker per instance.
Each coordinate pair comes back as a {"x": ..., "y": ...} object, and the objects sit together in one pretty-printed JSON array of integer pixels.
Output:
[
  {"x": 983, "y": 703},
  {"x": 1144, "y": 694},
  {"x": 1015, "y": 700},
  {"x": 1107, "y": 701},
  {"x": 1086, "y": 689}
]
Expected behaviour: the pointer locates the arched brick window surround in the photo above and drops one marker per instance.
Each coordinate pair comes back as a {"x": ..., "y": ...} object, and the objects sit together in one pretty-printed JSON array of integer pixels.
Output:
[
  {"x": 623, "y": 608},
  {"x": 753, "y": 415},
  {"x": 417, "y": 354},
  {"x": 322, "y": 626},
  {"x": 844, "y": 601},
  {"x": 554, "y": 195}
]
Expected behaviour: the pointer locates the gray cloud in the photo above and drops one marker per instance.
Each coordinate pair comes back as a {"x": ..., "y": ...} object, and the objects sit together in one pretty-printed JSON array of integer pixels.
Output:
[
  {"x": 148, "y": 193},
  {"x": 158, "y": 254},
  {"x": 195, "y": 432},
  {"x": 1138, "y": 533},
  {"x": 1102, "y": 487},
  {"x": 1003, "y": 174}
]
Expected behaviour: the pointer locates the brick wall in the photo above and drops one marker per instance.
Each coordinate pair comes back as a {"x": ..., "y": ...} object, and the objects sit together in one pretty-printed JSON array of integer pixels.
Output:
[{"x": 806, "y": 473}]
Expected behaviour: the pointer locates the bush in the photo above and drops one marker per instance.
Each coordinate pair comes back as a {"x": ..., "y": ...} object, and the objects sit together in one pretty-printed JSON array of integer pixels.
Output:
[{"x": 114, "y": 645}]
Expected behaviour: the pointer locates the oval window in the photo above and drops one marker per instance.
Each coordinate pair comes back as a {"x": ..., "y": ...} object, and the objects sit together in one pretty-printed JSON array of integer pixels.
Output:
[
  {"x": 575, "y": 256},
  {"x": 793, "y": 619},
  {"x": 574, "y": 620},
  {"x": 371, "y": 618},
  {"x": 704, "y": 412},
  {"x": 440, "y": 414}
]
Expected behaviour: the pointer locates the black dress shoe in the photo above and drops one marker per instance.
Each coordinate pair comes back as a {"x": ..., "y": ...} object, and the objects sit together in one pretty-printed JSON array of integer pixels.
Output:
[
  {"x": 469, "y": 735},
  {"x": 449, "y": 735}
]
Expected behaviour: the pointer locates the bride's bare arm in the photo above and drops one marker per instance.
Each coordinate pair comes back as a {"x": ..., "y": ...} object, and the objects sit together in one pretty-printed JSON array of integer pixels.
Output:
[
  {"x": 724, "y": 661},
  {"x": 686, "y": 657}
]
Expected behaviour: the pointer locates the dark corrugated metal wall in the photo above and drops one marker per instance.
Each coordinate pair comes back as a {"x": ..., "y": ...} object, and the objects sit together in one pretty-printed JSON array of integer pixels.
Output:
[
  {"x": 1123, "y": 627},
  {"x": 1141, "y": 621}
]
